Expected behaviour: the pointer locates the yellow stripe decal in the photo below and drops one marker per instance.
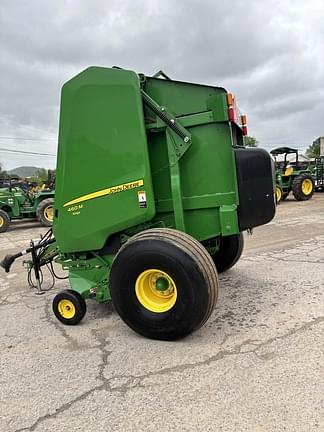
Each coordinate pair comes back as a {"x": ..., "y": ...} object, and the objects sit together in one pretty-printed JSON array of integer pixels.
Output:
[{"x": 108, "y": 191}]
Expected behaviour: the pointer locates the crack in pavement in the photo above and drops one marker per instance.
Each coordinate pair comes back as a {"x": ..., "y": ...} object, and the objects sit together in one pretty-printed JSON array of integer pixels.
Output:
[
  {"x": 236, "y": 350},
  {"x": 60, "y": 328},
  {"x": 303, "y": 250},
  {"x": 20, "y": 298},
  {"x": 104, "y": 382},
  {"x": 280, "y": 259},
  {"x": 137, "y": 381}
]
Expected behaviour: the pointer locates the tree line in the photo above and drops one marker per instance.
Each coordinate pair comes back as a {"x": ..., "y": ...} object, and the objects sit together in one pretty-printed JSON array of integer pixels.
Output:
[{"x": 40, "y": 176}]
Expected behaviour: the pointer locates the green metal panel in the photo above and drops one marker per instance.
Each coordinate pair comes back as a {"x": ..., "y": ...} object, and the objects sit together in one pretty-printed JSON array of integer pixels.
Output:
[
  {"x": 183, "y": 98},
  {"x": 207, "y": 172},
  {"x": 103, "y": 162}
]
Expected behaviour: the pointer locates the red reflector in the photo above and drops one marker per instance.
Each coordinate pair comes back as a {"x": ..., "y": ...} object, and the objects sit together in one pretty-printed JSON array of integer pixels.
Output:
[
  {"x": 232, "y": 116},
  {"x": 244, "y": 130}
]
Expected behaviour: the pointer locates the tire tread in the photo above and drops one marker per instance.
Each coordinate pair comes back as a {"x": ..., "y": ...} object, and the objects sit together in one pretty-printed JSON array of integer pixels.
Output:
[
  {"x": 6, "y": 219},
  {"x": 40, "y": 211},
  {"x": 297, "y": 187}
]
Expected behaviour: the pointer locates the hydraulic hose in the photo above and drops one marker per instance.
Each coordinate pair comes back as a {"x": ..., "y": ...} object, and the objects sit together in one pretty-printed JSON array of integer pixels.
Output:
[{"x": 8, "y": 260}]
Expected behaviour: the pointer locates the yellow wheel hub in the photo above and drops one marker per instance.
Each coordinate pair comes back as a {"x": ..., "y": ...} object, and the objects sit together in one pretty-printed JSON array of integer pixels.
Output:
[
  {"x": 1, "y": 221},
  {"x": 156, "y": 290},
  {"x": 278, "y": 193},
  {"x": 307, "y": 187},
  {"x": 49, "y": 213},
  {"x": 66, "y": 309}
]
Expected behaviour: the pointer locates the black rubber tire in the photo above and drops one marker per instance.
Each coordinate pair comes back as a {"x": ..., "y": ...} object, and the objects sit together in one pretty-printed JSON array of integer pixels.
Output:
[
  {"x": 297, "y": 187},
  {"x": 284, "y": 196},
  {"x": 190, "y": 266},
  {"x": 40, "y": 211},
  {"x": 229, "y": 252},
  {"x": 5, "y": 219},
  {"x": 78, "y": 302}
]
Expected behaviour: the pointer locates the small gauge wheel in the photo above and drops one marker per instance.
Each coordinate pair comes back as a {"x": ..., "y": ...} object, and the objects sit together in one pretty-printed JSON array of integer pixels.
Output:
[{"x": 69, "y": 307}]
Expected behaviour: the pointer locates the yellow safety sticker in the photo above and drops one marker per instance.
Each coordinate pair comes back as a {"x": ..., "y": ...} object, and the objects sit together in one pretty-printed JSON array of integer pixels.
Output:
[{"x": 108, "y": 191}]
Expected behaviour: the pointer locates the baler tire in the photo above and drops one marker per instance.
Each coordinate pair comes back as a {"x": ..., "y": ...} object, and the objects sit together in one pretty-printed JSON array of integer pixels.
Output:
[
  {"x": 69, "y": 307},
  {"x": 192, "y": 281},
  {"x": 4, "y": 221},
  {"x": 44, "y": 206},
  {"x": 229, "y": 252},
  {"x": 299, "y": 191},
  {"x": 198, "y": 250}
]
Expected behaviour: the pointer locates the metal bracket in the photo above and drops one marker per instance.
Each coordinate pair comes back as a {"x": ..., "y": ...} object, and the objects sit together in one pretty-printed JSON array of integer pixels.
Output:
[
  {"x": 178, "y": 141},
  {"x": 36, "y": 268},
  {"x": 181, "y": 145},
  {"x": 175, "y": 181},
  {"x": 162, "y": 74}
]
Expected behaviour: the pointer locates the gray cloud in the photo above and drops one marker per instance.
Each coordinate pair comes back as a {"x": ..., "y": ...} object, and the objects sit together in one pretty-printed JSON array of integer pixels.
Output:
[{"x": 269, "y": 54}]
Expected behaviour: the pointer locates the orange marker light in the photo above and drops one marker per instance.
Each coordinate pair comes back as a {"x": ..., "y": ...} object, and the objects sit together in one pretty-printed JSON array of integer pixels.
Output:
[
  {"x": 230, "y": 99},
  {"x": 243, "y": 120}
]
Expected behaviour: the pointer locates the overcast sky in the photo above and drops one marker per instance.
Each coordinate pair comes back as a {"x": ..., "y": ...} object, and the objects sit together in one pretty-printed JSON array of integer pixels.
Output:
[{"x": 270, "y": 54}]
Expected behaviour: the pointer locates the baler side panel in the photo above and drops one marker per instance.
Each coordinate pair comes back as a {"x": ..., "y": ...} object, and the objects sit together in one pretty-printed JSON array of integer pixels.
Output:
[
  {"x": 103, "y": 159},
  {"x": 207, "y": 169}
]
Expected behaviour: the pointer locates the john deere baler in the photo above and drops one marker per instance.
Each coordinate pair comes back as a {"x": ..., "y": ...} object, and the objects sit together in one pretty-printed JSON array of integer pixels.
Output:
[{"x": 153, "y": 191}]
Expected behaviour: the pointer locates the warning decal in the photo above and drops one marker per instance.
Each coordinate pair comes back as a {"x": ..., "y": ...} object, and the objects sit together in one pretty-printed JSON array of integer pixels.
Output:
[{"x": 142, "y": 199}]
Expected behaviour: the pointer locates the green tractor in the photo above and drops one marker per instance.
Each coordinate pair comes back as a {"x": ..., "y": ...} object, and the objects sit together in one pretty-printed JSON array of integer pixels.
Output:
[
  {"x": 17, "y": 203},
  {"x": 292, "y": 175},
  {"x": 318, "y": 173},
  {"x": 169, "y": 190}
]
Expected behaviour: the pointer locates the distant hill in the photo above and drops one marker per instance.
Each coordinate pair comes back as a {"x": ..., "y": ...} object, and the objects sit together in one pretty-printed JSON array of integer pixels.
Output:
[{"x": 24, "y": 171}]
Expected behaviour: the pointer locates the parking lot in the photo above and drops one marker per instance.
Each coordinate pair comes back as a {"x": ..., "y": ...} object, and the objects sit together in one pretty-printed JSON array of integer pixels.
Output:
[{"x": 257, "y": 365}]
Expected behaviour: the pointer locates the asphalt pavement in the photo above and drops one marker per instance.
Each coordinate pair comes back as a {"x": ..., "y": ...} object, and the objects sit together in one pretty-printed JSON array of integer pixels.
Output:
[{"x": 257, "y": 365}]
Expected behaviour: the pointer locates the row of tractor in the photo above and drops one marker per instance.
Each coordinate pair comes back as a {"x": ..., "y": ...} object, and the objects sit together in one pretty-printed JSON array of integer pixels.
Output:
[
  {"x": 21, "y": 201},
  {"x": 301, "y": 178}
]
